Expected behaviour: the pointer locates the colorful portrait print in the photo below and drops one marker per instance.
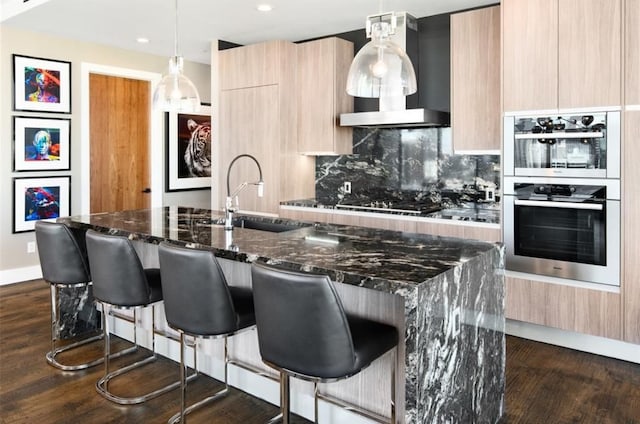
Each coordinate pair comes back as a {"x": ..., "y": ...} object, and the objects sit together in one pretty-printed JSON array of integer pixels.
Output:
[
  {"x": 41, "y": 85},
  {"x": 39, "y": 198},
  {"x": 42, "y": 144},
  {"x": 41, "y": 203}
]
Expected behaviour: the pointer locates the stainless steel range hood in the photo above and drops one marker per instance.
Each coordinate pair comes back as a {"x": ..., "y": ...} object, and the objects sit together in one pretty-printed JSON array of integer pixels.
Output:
[
  {"x": 393, "y": 111},
  {"x": 396, "y": 118}
]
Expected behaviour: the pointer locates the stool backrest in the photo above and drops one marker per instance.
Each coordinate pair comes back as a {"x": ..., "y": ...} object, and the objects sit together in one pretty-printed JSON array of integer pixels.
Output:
[
  {"x": 301, "y": 323},
  {"x": 62, "y": 254},
  {"x": 118, "y": 274},
  {"x": 196, "y": 296}
]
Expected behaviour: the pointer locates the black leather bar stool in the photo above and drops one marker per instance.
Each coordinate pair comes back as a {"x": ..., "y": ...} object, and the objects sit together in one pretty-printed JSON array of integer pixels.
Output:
[
  {"x": 199, "y": 303},
  {"x": 303, "y": 331},
  {"x": 64, "y": 265},
  {"x": 121, "y": 282}
]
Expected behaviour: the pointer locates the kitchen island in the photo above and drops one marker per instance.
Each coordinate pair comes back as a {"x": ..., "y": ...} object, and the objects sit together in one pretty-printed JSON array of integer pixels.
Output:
[{"x": 450, "y": 294}]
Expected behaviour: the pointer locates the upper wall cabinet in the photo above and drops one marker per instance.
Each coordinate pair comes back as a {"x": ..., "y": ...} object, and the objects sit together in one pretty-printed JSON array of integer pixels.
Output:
[
  {"x": 561, "y": 54},
  {"x": 530, "y": 54},
  {"x": 323, "y": 66},
  {"x": 632, "y": 55},
  {"x": 475, "y": 79},
  {"x": 253, "y": 65}
]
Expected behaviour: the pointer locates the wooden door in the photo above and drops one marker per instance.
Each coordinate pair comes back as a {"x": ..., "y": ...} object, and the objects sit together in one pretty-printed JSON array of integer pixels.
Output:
[
  {"x": 119, "y": 121},
  {"x": 475, "y": 79},
  {"x": 530, "y": 54},
  {"x": 589, "y": 60}
]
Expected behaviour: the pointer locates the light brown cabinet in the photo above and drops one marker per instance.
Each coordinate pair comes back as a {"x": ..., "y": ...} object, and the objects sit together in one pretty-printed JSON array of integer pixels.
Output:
[
  {"x": 475, "y": 79},
  {"x": 561, "y": 54},
  {"x": 631, "y": 226},
  {"x": 530, "y": 54},
  {"x": 632, "y": 52},
  {"x": 258, "y": 112},
  {"x": 405, "y": 224},
  {"x": 323, "y": 66},
  {"x": 569, "y": 308}
]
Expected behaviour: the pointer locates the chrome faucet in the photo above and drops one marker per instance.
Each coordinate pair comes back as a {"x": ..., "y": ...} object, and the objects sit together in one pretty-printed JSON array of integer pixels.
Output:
[{"x": 229, "y": 209}]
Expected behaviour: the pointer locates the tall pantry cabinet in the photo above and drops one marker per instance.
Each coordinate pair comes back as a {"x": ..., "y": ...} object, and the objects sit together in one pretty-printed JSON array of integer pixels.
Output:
[
  {"x": 258, "y": 115},
  {"x": 568, "y": 54},
  {"x": 631, "y": 173}
]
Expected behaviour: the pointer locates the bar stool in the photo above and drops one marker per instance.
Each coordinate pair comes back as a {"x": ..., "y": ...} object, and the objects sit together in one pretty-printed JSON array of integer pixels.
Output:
[
  {"x": 121, "y": 282},
  {"x": 199, "y": 303},
  {"x": 303, "y": 331},
  {"x": 64, "y": 265}
]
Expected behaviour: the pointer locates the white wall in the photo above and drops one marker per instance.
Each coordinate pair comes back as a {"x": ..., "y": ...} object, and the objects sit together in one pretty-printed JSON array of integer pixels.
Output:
[{"x": 15, "y": 263}]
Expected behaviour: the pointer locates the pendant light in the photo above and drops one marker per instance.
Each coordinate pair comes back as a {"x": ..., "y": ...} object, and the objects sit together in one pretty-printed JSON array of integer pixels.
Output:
[
  {"x": 381, "y": 68},
  {"x": 176, "y": 92}
]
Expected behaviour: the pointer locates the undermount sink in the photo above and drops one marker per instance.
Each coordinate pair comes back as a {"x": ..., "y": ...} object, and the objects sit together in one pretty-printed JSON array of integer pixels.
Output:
[{"x": 272, "y": 225}]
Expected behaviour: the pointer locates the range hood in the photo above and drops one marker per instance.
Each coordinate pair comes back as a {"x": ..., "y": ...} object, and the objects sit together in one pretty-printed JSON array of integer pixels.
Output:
[{"x": 392, "y": 111}]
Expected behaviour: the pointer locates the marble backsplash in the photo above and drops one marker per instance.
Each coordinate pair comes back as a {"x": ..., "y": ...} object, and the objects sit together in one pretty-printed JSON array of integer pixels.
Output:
[{"x": 405, "y": 165}]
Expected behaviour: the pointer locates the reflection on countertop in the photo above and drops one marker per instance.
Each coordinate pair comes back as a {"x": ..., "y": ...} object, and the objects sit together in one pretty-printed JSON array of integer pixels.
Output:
[{"x": 466, "y": 211}]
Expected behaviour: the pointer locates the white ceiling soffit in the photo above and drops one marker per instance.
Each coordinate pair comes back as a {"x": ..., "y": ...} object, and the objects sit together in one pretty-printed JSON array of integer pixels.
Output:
[{"x": 119, "y": 22}]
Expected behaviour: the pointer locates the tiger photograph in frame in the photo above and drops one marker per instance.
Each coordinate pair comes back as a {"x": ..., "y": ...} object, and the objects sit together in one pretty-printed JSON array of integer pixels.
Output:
[
  {"x": 188, "y": 150},
  {"x": 41, "y": 85},
  {"x": 39, "y": 198}
]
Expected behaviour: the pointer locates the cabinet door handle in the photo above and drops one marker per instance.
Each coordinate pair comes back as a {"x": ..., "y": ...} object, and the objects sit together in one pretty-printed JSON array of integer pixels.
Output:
[{"x": 146, "y": 190}]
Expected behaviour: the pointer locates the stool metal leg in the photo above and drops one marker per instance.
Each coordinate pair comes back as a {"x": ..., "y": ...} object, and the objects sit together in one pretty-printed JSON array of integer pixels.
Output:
[
  {"x": 285, "y": 408},
  {"x": 55, "y": 350},
  {"x": 103, "y": 383},
  {"x": 182, "y": 415},
  {"x": 315, "y": 402},
  {"x": 393, "y": 385}
]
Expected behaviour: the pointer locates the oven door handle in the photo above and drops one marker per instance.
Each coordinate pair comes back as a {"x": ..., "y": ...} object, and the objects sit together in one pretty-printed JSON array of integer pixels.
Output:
[{"x": 564, "y": 205}]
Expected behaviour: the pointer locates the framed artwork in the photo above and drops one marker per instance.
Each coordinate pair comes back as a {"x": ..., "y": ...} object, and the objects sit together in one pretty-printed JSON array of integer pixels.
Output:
[
  {"x": 39, "y": 198},
  {"x": 41, "y": 144},
  {"x": 41, "y": 85},
  {"x": 188, "y": 150}
]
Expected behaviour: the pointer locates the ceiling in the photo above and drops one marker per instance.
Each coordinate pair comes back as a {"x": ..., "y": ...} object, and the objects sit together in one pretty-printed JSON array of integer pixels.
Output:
[{"x": 119, "y": 22}]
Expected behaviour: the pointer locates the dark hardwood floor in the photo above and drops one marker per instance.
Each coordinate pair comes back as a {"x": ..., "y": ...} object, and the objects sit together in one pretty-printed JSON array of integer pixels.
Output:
[{"x": 545, "y": 384}]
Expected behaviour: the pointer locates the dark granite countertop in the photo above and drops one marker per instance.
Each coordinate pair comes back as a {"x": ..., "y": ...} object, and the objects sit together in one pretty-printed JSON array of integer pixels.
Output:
[
  {"x": 379, "y": 259},
  {"x": 467, "y": 211}
]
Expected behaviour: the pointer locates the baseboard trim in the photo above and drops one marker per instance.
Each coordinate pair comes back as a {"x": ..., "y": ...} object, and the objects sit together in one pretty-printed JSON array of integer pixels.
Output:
[
  {"x": 17, "y": 275},
  {"x": 583, "y": 342}
]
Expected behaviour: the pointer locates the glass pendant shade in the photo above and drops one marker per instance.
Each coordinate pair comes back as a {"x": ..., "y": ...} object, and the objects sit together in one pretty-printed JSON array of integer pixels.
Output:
[
  {"x": 176, "y": 92},
  {"x": 381, "y": 68}
]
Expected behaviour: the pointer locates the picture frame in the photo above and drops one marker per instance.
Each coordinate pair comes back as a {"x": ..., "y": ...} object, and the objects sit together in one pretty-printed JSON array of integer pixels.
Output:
[
  {"x": 41, "y": 144},
  {"x": 188, "y": 150},
  {"x": 39, "y": 198},
  {"x": 41, "y": 85}
]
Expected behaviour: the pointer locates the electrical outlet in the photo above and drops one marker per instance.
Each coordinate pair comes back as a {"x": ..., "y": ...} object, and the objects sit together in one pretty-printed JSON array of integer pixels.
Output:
[
  {"x": 346, "y": 187},
  {"x": 31, "y": 247}
]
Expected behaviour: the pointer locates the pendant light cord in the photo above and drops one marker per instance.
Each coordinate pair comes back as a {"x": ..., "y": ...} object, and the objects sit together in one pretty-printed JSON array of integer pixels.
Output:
[{"x": 175, "y": 30}]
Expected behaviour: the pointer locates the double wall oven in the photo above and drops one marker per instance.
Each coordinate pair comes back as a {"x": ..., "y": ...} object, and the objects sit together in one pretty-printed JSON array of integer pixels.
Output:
[{"x": 562, "y": 195}]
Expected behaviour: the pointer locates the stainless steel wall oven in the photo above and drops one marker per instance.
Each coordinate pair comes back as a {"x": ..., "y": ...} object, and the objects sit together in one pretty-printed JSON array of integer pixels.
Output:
[
  {"x": 585, "y": 145},
  {"x": 562, "y": 195},
  {"x": 564, "y": 229}
]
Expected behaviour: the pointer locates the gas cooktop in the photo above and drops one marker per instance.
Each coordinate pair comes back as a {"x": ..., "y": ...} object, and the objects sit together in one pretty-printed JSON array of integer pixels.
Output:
[{"x": 398, "y": 206}]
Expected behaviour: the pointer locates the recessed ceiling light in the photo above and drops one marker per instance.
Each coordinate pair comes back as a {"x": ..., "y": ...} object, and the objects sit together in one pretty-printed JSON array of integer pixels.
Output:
[
  {"x": 142, "y": 40},
  {"x": 264, "y": 7}
]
